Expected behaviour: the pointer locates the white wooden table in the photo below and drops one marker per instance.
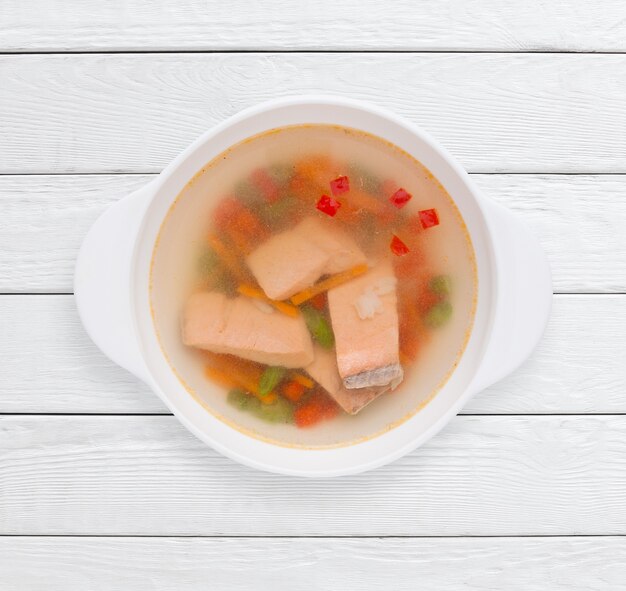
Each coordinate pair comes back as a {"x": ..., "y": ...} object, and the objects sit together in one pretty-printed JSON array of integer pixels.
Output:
[{"x": 102, "y": 489}]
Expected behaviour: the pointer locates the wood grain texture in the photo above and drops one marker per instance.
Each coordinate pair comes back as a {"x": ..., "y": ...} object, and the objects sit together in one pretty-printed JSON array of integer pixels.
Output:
[
  {"x": 578, "y": 218},
  {"x": 55, "y": 25},
  {"x": 134, "y": 113},
  {"x": 148, "y": 475},
  {"x": 194, "y": 564},
  {"x": 51, "y": 366}
]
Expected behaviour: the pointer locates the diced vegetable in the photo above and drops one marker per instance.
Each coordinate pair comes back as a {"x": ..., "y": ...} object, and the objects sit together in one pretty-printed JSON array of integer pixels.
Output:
[
  {"x": 326, "y": 284},
  {"x": 307, "y": 382},
  {"x": 241, "y": 399},
  {"x": 233, "y": 371},
  {"x": 428, "y": 218},
  {"x": 439, "y": 314},
  {"x": 270, "y": 378},
  {"x": 319, "y": 301},
  {"x": 328, "y": 205},
  {"x": 262, "y": 180},
  {"x": 219, "y": 376},
  {"x": 279, "y": 411},
  {"x": 319, "y": 327},
  {"x": 441, "y": 285},
  {"x": 293, "y": 391},
  {"x": 258, "y": 294},
  {"x": 400, "y": 198},
  {"x": 340, "y": 185},
  {"x": 398, "y": 247},
  {"x": 317, "y": 408}
]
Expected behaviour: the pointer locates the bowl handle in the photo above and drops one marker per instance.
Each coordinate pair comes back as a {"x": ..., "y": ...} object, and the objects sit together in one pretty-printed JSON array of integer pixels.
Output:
[
  {"x": 102, "y": 281},
  {"x": 523, "y": 295}
]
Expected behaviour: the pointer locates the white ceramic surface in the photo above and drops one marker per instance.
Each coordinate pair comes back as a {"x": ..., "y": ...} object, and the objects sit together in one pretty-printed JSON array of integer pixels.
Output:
[{"x": 514, "y": 289}]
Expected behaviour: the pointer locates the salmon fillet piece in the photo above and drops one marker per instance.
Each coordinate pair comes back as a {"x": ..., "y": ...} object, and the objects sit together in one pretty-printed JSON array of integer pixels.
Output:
[
  {"x": 324, "y": 371},
  {"x": 239, "y": 326},
  {"x": 364, "y": 317},
  {"x": 295, "y": 259}
]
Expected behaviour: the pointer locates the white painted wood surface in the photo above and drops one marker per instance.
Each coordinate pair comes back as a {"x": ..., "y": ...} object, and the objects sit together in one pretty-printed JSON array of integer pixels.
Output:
[
  {"x": 326, "y": 564},
  {"x": 507, "y": 473},
  {"x": 482, "y": 476},
  {"x": 134, "y": 113},
  {"x": 579, "y": 219},
  {"x": 472, "y": 25},
  {"x": 579, "y": 367}
]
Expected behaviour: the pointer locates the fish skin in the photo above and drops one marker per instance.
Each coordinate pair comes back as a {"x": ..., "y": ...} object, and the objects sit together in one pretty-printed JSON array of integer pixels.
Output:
[{"x": 324, "y": 371}]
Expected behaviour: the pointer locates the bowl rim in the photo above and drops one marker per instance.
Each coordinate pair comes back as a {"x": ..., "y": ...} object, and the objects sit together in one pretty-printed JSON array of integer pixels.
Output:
[{"x": 316, "y": 462}]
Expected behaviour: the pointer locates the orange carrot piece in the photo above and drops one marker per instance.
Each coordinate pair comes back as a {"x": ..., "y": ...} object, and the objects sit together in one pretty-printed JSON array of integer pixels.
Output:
[
  {"x": 303, "y": 380},
  {"x": 293, "y": 391},
  {"x": 219, "y": 376},
  {"x": 316, "y": 409},
  {"x": 258, "y": 294},
  {"x": 240, "y": 373},
  {"x": 326, "y": 284}
]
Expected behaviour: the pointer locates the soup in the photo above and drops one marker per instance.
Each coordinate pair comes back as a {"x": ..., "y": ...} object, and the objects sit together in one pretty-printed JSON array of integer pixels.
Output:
[{"x": 313, "y": 285}]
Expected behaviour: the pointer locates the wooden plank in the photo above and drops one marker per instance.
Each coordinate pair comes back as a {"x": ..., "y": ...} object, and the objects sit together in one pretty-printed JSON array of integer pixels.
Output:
[
  {"x": 471, "y": 25},
  {"x": 188, "y": 564},
  {"x": 51, "y": 366},
  {"x": 134, "y": 113},
  {"x": 147, "y": 475},
  {"x": 578, "y": 218}
]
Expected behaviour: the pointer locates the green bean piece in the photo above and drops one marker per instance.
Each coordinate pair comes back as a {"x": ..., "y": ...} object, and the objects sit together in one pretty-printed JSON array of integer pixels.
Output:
[
  {"x": 441, "y": 285},
  {"x": 319, "y": 327},
  {"x": 439, "y": 314},
  {"x": 270, "y": 378}
]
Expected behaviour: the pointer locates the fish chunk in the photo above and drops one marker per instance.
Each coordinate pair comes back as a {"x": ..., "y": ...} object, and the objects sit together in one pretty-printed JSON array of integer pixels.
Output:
[
  {"x": 295, "y": 259},
  {"x": 367, "y": 336},
  {"x": 238, "y": 326},
  {"x": 324, "y": 371}
]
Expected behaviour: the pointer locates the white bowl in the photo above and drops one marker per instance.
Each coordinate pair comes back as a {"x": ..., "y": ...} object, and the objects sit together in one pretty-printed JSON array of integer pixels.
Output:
[{"x": 513, "y": 304}]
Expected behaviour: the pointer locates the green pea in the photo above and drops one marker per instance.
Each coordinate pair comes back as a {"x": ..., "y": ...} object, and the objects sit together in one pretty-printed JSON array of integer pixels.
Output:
[
  {"x": 319, "y": 327},
  {"x": 241, "y": 399},
  {"x": 441, "y": 285},
  {"x": 270, "y": 378},
  {"x": 279, "y": 411},
  {"x": 438, "y": 315}
]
